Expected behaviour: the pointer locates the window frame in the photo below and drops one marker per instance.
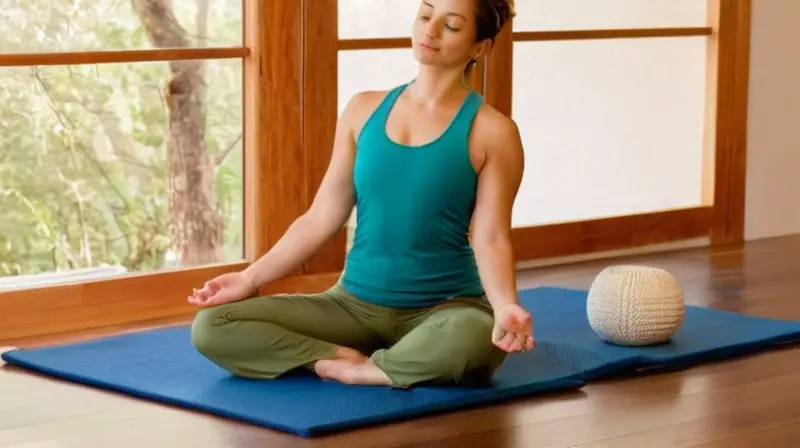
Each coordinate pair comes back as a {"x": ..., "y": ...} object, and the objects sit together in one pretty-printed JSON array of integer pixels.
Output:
[{"x": 161, "y": 294}]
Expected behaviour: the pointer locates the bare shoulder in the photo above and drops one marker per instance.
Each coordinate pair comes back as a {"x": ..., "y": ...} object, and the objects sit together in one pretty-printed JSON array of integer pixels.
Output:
[
  {"x": 368, "y": 99},
  {"x": 360, "y": 107},
  {"x": 491, "y": 125},
  {"x": 497, "y": 136}
]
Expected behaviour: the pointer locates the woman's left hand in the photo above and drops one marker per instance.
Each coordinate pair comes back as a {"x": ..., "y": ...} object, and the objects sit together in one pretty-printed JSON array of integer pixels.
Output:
[{"x": 513, "y": 328}]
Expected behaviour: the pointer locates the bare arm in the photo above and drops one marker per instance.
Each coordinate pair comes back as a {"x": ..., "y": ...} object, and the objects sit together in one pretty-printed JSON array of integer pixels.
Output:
[
  {"x": 498, "y": 183},
  {"x": 328, "y": 213}
]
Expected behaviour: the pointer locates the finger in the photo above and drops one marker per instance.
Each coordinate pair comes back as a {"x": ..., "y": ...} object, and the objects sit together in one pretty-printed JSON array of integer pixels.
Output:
[
  {"x": 515, "y": 346},
  {"x": 518, "y": 324},
  {"x": 498, "y": 337},
  {"x": 207, "y": 303},
  {"x": 212, "y": 286},
  {"x": 526, "y": 342},
  {"x": 520, "y": 343},
  {"x": 194, "y": 300},
  {"x": 200, "y": 297},
  {"x": 523, "y": 323},
  {"x": 506, "y": 341},
  {"x": 204, "y": 294},
  {"x": 498, "y": 334}
]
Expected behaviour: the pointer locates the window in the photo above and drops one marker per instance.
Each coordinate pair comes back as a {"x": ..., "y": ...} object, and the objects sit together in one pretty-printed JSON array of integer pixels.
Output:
[
  {"x": 610, "y": 127},
  {"x": 539, "y": 15},
  {"x": 40, "y": 26},
  {"x": 359, "y": 19},
  {"x": 119, "y": 167},
  {"x": 362, "y": 70},
  {"x": 108, "y": 169}
]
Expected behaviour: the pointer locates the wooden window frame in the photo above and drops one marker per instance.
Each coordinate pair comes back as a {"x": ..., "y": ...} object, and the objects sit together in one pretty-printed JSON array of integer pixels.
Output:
[
  {"x": 290, "y": 79},
  {"x": 266, "y": 125}
]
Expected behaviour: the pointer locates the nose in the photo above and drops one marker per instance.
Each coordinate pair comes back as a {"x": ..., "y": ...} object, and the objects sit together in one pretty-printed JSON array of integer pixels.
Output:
[{"x": 431, "y": 31}]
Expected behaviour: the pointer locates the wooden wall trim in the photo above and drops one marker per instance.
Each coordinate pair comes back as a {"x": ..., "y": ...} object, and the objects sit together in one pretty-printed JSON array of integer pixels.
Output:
[
  {"x": 99, "y": 303},
  {"x": 710, "y": 115},
  {"x": 129, "y": 301},
  {"x": 381, "y": 43},
  {"x": 281, "y": 175},
  {"x": 255, "y": 161},
  {"x": 621, "y": 33},
  {"x": 500, "y": 71},
  {"x": 733, "y": 73},
  {"x": 378, "y": 43},
  {"x": 620, "y": 232},
  {"x": 320, "y": 114},
  {"x": 120, "y": 56}
]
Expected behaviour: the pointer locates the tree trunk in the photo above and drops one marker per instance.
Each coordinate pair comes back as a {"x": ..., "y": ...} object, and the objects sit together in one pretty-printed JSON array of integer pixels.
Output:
[{"x": 197, "y": 229}]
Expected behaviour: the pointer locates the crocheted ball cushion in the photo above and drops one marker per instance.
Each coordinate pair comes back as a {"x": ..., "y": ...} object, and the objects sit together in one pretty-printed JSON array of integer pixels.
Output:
[{"x": 635, "y": 305}]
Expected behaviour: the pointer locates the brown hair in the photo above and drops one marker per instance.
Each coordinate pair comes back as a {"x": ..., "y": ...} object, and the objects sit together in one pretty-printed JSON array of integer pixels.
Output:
[{"x": 491, "y": 16}]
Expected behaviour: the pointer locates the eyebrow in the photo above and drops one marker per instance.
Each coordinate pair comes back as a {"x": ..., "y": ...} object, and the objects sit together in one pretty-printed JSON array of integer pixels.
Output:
[{"x": 449, "y": 14}]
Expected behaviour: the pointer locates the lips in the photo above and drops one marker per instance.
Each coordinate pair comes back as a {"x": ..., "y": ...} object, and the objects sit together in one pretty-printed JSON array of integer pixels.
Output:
[{"x": 428, "y": 47}]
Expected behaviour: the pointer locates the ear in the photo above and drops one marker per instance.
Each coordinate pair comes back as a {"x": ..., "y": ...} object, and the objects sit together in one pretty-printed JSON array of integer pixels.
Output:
[{"x": 482, "y": 49}]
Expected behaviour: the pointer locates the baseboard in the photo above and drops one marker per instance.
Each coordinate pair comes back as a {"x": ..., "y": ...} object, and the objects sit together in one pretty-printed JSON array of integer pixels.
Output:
[{"x": 649, "y": 249}]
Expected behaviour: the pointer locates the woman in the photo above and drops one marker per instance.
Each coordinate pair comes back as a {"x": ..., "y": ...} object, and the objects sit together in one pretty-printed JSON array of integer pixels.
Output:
[{"x": 420, "y": 301}]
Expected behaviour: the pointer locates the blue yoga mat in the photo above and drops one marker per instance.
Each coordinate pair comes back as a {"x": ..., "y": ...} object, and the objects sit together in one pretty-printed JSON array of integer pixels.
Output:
[{"x": 161, "y": 365}]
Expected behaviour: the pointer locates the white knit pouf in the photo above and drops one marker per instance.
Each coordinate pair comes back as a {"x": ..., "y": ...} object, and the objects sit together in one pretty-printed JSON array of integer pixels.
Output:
[{"x": 635, "y": 305}]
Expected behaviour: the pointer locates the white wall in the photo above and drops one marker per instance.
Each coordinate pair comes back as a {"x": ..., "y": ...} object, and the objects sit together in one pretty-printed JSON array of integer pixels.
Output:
[{"x": 773, "y": 159}]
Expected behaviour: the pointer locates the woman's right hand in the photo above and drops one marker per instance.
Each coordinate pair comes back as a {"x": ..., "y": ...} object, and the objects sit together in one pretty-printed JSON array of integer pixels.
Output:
[{"x": 223, "y": 289}]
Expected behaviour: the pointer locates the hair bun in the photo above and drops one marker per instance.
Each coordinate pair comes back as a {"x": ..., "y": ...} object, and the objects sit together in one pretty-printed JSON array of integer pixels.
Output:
[
  {"x": 505, "y": 9},
  {"x": 493, "y": 16}
]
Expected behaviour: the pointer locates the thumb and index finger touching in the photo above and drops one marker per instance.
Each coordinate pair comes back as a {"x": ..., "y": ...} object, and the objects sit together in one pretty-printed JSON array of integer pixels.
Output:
[
  {"x": 519, "y": 321},
  {"x": 205, "y": 295}
]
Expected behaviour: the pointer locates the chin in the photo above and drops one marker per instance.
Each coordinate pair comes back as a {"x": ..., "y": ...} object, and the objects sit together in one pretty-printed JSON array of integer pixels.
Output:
[
  {"x": 427, "y": 58},
  {"x": 423, "y": 60}
]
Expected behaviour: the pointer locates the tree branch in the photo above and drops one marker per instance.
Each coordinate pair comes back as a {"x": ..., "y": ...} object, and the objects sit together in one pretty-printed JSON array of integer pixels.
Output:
[{"x": 228, "y": 149}]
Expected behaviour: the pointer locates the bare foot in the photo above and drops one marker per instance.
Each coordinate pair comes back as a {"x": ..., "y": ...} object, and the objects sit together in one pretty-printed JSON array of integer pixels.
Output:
[
  {"x": 342, "y": 354},
  {"x": 347, "y": 371},
  {"x": 349, "y": 354}
]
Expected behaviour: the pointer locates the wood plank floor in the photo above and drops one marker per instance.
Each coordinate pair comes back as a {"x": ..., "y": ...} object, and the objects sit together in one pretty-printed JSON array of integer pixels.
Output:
[{"x": 750, "y": 402}]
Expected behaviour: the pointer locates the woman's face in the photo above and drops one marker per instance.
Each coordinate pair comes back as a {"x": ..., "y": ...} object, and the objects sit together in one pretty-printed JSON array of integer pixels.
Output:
[{"x": 444, "y": 33}]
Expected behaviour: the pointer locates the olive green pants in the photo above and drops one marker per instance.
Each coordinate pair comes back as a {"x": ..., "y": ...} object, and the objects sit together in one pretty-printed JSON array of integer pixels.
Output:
[{"x": 265, "y": 337}]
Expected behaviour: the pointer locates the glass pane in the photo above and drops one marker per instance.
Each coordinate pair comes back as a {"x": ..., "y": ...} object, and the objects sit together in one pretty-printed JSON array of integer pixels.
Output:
[
  {"x": 536, "y": 15},
  {"x": 372, "y": 70},
  {"x": 33, "y": 26},
  {"x": 610, "y": 127},
  {"x": 376, "y": 18},
  {"x": 103, "y": 171}
]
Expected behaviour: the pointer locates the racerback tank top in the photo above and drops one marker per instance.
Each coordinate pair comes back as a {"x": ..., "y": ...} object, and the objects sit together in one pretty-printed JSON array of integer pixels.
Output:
[{"x": 414, "y": 205}]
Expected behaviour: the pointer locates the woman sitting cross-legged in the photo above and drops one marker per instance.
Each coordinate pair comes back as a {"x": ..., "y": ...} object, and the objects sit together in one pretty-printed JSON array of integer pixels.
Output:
[{"x": 428, "y": 294}]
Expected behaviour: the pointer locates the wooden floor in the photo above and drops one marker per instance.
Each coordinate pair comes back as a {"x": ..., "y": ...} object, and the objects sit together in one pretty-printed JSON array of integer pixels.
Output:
[{"x": 752, "y": 402}]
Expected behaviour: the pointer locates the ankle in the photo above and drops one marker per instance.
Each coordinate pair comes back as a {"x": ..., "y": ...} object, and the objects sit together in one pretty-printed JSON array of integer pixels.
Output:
[{"x": 349, "y": 354}]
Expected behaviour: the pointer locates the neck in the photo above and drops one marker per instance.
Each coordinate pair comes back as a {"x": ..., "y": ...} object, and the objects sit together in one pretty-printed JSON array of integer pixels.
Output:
[{"x": 432, "y": 85}]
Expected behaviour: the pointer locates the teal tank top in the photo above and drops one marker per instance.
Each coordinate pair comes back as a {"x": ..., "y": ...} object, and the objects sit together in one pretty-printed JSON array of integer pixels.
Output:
[{"x": 414, "y": 205}]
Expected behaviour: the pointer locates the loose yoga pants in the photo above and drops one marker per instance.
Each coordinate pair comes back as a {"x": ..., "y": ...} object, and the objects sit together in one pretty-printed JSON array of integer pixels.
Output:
[{"x": 265, "y": 337}]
